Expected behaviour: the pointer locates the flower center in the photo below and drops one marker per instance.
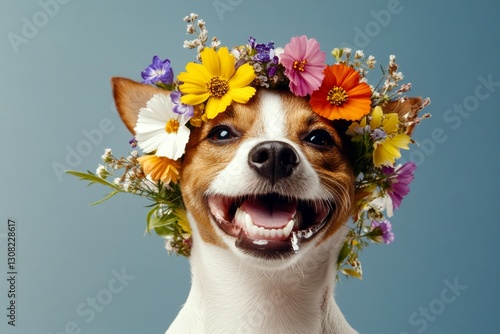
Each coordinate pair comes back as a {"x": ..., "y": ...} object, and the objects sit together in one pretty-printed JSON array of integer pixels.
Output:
[
  {"x": 172, "y": 126},
  {"x": 337, "y": 96},
  {"x": 217, "y": 87},
  {"x": 300, "y": 65}
]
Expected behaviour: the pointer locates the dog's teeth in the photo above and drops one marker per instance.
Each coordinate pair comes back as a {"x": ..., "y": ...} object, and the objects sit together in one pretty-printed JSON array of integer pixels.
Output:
[
  {"x": 219, "y": 214},
  {"x": 288, "y": 228},
  {"x": 254, "y": 230},
  {"x": 248, "y": 221},
  {"x": 273, "y": 233},
  {"x": 238, "y": 219},
  {"x": 251, "y": 229},
  {"x": 267, "y": 233},
  {"x": 279, "y": 233},
  {"x": 244, "y": 220},
  {"x": 297, "y": 219}
]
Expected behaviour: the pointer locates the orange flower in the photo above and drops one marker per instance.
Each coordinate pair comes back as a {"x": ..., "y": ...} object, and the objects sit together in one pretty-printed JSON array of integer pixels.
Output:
[
  {"x": 341, "y": 95},
  {"x": 160, "y": 168}
]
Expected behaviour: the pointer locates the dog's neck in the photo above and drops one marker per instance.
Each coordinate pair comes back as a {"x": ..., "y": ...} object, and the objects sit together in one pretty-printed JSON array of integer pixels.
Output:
[{"x": 231, "y": 296}]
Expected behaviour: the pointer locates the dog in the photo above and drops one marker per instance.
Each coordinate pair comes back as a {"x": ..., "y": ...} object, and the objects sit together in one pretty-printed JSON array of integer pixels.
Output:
[{"x": 268, "y": 187}]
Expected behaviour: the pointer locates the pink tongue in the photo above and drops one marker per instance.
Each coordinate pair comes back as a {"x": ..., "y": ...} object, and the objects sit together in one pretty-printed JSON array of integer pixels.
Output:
[{"x": 270, "y": 213}]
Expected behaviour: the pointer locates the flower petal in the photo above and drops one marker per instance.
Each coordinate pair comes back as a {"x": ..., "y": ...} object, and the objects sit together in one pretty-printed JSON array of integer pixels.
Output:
[
  {"x": 216, "y": 105},
  {"x": 210, "y": 60},
  {"x": 226, "y": 63},
  {"x": 243, "y": 76},
  {"x": 194, "y": 99},
  {"x": 242, "y": 95}
]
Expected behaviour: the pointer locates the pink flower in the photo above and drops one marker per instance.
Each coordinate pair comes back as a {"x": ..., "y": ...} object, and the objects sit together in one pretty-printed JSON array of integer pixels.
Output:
[
  {"x": 304, "y": 63},
  {"x": 381, "y": 232}
]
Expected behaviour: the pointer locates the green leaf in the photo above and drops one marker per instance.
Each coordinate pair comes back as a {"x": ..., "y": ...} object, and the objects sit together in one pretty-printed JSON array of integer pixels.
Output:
[
  {"x": 92, "y": 178},
  {"x": 111, "y": 194},
  {"x": 344, "y": 252},
  {"x": 149, "y": 219}
]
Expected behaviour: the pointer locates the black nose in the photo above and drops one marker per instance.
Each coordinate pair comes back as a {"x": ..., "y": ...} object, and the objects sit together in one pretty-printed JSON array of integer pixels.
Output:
[{"x": 273, "y": 160}]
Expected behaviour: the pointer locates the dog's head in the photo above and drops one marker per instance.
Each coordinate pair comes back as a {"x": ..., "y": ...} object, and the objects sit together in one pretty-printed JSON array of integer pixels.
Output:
[{"x": 268, "y": 179}]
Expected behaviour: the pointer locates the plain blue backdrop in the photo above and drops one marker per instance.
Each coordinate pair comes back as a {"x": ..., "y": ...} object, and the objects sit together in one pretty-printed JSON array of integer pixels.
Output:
[{"x": 439, "y": 276}]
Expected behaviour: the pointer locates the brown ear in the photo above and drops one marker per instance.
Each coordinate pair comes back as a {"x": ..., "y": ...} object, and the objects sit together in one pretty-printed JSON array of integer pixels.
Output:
[
  {"x": 130, "y": 97},
  {"x": 406, "y": 110}
]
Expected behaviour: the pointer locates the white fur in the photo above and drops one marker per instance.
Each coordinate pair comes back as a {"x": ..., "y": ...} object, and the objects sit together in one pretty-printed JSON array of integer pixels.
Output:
[
  {"x": 306, "y": 181},
  {"x": 229, "y": 296},
  {"x": 236, "y": 293}
]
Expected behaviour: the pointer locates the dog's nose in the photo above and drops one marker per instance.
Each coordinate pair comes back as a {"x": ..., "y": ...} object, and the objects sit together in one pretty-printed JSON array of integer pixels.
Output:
[{"x": 273, "y": 160}]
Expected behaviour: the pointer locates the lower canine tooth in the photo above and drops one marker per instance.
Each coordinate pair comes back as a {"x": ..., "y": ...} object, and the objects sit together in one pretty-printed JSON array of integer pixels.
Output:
[
  {"x": 288, "y": 228},
  {"x": 248, "y": 221}
]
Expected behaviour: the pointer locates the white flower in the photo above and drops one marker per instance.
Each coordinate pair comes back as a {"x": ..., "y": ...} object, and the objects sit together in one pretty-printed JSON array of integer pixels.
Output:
[
  {"x": 278, "y": 51},
  {"x": 383, "y": 203},
  {"x": 101, "y": 171},
  {"x": 169, "y": 244},
  {"x": 398, "y": 76},
  {"x": 215, "y": 44},
  {"x": 107, "y": 156},
  {"x": 359, "y": 54},
  {"x": 162, "y": 130},
  {"x": 370, "y": 62},
  {"x": 127, "y": 186}
]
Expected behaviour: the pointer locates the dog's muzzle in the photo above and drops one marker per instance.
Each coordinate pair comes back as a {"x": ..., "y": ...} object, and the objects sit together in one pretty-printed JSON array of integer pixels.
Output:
[{"x": 275, "y": 222}]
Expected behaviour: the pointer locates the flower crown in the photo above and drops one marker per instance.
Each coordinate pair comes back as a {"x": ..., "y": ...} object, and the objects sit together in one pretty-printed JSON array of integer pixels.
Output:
[{"x": 381, "y": 120}]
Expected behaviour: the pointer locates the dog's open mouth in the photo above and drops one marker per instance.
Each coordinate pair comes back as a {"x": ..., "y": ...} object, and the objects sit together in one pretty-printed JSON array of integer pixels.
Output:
[{"x": 270, "y": 223}]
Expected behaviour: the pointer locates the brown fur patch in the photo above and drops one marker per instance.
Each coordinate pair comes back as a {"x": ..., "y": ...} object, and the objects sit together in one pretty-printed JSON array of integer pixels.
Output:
[
  {"x": 332, "y": 165},
  {"x": 204, "y": 160}
]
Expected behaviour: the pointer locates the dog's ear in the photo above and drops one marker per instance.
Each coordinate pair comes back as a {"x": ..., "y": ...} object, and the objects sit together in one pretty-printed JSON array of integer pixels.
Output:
[
  {"x": 130, "y": 97},
  {"x": 406, "y": 110}
]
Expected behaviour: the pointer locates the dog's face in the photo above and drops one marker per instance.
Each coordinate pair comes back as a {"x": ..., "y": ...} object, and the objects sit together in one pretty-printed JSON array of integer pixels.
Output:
[{"x": 269, "y": 179}]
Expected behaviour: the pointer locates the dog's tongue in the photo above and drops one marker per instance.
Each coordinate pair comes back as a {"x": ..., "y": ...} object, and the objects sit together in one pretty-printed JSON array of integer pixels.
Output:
[{"x": 270, "y": 212}]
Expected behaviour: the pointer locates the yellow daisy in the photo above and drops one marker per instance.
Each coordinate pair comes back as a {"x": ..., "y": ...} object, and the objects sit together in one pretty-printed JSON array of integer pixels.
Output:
[{"x": 216, "y": 81}]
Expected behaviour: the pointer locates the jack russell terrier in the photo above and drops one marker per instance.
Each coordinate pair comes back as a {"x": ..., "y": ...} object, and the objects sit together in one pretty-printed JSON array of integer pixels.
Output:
[{"x": 268, "y": 187}]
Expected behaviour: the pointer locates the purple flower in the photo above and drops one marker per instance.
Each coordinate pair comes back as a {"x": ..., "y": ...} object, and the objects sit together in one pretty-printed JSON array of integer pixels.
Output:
[
  {"x": 180, "y": 108},
  {"x": 251, "y": 41},
  {"x": 378, "y": 134},
  {"x": 133, "y": 142},
  {"x": 381, "y": 232},
  {"x": 272, "y": 67},
  {"x": 265, "y": 51},
  {"x": 399, "y": 181},
  {"x": 159, "y": 72}
]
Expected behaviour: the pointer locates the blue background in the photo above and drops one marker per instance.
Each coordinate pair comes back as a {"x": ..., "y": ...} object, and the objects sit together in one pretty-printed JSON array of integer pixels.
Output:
[{"x": 54, "y": 88}]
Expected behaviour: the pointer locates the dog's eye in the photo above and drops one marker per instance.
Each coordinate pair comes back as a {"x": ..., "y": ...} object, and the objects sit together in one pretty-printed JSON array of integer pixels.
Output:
[
  {"x": 320, "y": 138},
  {"x": 221, "y": 132}
]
